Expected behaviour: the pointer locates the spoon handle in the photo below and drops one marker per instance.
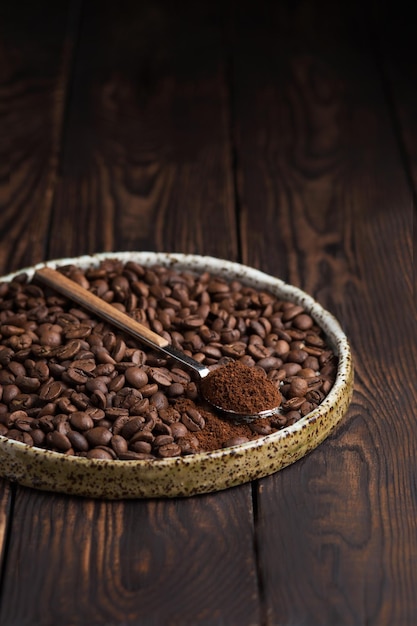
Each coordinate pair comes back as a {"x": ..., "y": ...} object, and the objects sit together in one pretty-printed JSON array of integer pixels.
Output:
[{"x": 104, "y": 310}]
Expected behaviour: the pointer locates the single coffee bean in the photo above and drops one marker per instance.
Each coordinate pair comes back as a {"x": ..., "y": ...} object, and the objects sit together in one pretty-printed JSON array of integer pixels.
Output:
[
  {"x": 235, "y": 441},
  {"x": 142, "y": 435},
  {"x": 188, "y": 444},
  {"x": 260, "y": 428},
  {"x": 119, "y": 444},
  {"x": 161, "y": 376},
  {"x": 298, "y": 387},
  {"x": 81, "y": 421},
  {"x": 293, "y": 403},
  {"x": 9, "y": 393},
  {"x": 131, "y": 427},
  {"x": 38, "y": 437},
  {"x": 291, "y": 312},
  {"x": 119, "y": 423},
  {"x": 141, "y": 446},
  {"x": 169, "y": 450},
  {"x": 95, "y": 413},
  {"x": 193, "y": 420},
  {"x": 27, "y": 384},
  {"x": 99, "y": 453},
  {"x": 162, "y": 440},
  {"x": 149, "y": 390},
  {"x": 130, "y": 455},
  {"x": 178, "y": 429},
  {"x": 59, "y": 441},
  {"x": 78, "y": 440},
  {"x": 108, "y": 450},
  {"x": 159, "y": 400},
  {"x": 98, "y": 436}
]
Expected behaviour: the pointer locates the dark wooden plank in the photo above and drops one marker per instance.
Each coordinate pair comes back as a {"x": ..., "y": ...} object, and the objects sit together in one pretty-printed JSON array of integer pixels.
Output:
[
  {"x": 35, "y": 53},
  {"x": 319, "y": 164},
  {"x": 147, "y": 162},
  {"x": 146, "y": 165},
  {"x": 130, "y": 563},
  {"x": 35, "y": 48},
  {"x": 393, "y": 34}
]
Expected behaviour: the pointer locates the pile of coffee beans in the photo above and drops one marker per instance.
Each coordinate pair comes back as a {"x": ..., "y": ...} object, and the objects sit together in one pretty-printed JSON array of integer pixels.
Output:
[{"x": 71, "y": 383}]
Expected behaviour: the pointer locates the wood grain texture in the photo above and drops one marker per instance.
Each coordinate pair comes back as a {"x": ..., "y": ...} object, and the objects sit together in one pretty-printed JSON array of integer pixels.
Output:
[
  {"x": 183, "y": 562},
  {"x": 147, "y": 158},
  {"x": 135, "y": 149},
  {"x": 394, "y": 37},
  {"x": 35, "y": 56},
  {"x": 319, "y": 164}
]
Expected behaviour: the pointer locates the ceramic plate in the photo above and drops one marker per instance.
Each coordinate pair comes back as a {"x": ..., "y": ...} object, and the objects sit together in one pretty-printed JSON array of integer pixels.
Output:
[{"x": 201, "y": 472}]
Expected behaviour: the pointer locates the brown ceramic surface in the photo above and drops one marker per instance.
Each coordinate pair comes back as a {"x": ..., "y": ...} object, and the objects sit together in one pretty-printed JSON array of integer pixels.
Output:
[{"x": 197, "y": 473}]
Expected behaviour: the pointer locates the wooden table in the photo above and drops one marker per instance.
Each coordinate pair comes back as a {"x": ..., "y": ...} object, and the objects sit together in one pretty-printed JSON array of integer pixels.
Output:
[{"x": 279, "y": 134}]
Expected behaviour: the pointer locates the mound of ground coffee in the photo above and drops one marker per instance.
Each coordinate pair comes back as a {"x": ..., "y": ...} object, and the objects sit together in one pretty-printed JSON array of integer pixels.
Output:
[
  {"x": 71, "y": 383},
  {"x": 239, "y": 388}
]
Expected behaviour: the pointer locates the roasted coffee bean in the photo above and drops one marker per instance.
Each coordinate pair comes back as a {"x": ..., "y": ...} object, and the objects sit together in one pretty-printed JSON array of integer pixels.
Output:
[
  {"x": 142, "y": 435},
  {"x": 306, "y": 408},
  {"x": 161, "y": 376},
  {"x": 117, "y": 383},
  {"x": 315, "y": 396},
  {"x": 178, "y": 429},
  {"x": 149, "y": 390},
  {"x": 59, "y": 441},
  {"x": 260, "y": 427},
  {"x": 141, "y": 446},
  {"x": 162, "y": 440},
  {"x": 326, "y": 386},
  {"x": 293, "y": 403},
  {"x": 159, "y": 400},
  {"x": 235, "y": 441},
  {"x": 130, "y": 455},
  {"x": 98, "y": 436},
  {"x": 9, "y": 393},
  {"x": 188, "y": 444},
  {"x": 77, "y": 376},
  {"x": 95, "y": 413},
  {"x": 291, "y": 312},
  {"x": 78, "y": 440},
  {"x": 68, "y": 351},
  {"x": 291, "y": 369},
  {"x": 51, "y": 390},
  {"x": 38, "y": 436},
  {"x": 27, "y": 384},
  {"x": 100, "y": 453},
  {"x": 292, "y": 417},
  {"x": 81, "y": 421},
  {"x": 298, "y": 387},
  {"x": 193, "y": 420},
  {"x": 119, "y": 444},
  {"x": 169, "y": 450},
  {"x": 119, "y": 423},
  {"x": 312, "y": 363},
  {"x": 131, "y": 427},
  {"x": 108, "y": 450}
]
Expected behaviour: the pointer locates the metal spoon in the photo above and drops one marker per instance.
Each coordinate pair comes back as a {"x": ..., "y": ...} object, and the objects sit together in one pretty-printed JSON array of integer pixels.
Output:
[{"x": 72, "y": 290}]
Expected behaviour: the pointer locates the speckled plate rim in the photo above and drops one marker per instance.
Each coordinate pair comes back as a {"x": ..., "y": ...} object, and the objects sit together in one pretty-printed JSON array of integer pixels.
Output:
[{"x": 202, "y": 472}]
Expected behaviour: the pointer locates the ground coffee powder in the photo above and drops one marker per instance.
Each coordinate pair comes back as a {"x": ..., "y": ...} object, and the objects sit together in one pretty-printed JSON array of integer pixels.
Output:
[{"x": 240, "y": 388}]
